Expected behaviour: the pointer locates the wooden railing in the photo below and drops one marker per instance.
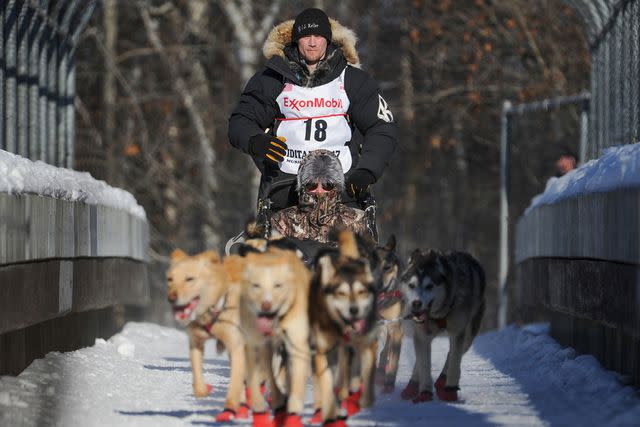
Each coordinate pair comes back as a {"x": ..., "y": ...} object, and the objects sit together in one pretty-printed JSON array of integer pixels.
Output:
[
  {"x": 578, "y": 266},
  {"x": 67, "y": 269}
]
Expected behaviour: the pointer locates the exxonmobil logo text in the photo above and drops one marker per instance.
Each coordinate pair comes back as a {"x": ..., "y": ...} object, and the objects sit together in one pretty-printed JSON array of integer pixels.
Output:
[{"x": 297, "y": 104}]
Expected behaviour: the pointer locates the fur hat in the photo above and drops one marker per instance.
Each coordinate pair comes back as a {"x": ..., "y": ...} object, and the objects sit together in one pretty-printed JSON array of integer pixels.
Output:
[
  {"x": 311, "y": 21},
  {"x": 321, "y": 165}
]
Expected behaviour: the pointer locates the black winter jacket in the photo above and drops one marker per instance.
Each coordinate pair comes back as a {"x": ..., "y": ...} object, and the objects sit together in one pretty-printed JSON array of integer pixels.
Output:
[{"x": 374, "y": 132}]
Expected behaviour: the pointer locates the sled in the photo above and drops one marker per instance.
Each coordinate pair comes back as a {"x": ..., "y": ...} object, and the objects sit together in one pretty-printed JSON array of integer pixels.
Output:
[{"x": 264, "y": 212}]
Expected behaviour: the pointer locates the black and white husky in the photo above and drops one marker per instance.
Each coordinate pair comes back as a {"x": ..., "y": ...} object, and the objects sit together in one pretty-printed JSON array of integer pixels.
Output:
[{"x": 442, "y": 292}]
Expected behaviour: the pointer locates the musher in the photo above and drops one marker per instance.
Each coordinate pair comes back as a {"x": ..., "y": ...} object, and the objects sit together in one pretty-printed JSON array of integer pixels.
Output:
[{"x": 313, "y": 95}]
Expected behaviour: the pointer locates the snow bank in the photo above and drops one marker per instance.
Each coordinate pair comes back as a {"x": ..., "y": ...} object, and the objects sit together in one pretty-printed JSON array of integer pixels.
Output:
[
  {"x": 565, "y": 388},
  {"x": 617, "y": 168},
  {"x": 19, "y": 175}
]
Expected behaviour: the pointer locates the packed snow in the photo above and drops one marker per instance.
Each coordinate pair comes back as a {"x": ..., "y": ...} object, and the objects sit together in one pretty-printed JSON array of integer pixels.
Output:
[
  {"x": 19, "y": 175},
  {"x": 618, "y": 168},
  {"x": 142, "y": 377}
]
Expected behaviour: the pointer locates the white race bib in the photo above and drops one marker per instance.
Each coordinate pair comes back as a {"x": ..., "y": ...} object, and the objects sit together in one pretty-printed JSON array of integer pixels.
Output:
[{"x": 314, "y": 118}]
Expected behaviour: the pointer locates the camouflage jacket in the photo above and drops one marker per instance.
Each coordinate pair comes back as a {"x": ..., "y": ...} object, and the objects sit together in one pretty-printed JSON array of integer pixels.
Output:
[{"x": 314, "y": 221}]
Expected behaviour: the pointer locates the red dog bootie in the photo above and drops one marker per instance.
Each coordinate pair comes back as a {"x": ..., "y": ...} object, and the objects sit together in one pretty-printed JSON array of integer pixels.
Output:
[
  {"x": 410, "y": 391},
  {"x": 316, "y": 419},
  {"x": 441, "y": 382},
  {"x": 293, "y": 420},
  {"x": 352, "y": 403},
  {"x": 226, "y": 415},
  {"x": 243, "y": 412},
  {"x": 424, "y": 396},
  {"x": 262, "y": 419},
  {"x": 448, "y": 394}
]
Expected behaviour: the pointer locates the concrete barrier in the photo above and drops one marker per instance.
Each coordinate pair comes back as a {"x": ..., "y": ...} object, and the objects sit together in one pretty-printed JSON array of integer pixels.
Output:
[
  {"x": 578, "y": 266},
  {"x": 67, "y": 267}
]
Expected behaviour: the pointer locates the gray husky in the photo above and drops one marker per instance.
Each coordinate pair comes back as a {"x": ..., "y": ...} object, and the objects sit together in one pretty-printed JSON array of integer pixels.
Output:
[{"x": 442, "y": 292}]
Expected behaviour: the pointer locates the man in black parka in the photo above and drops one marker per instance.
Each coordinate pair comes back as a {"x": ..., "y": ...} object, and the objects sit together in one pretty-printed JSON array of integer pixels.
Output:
[{"x": 312, "y": 95}]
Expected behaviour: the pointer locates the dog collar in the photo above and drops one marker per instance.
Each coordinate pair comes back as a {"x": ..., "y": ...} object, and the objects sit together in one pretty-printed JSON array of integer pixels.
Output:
[{"x": 383, "y": 296}]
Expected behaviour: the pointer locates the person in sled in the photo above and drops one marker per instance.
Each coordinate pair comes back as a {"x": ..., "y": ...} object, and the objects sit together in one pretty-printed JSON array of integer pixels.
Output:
[
  {"x": 320, "y": 182},
  {"x": 312, "y": 95}
]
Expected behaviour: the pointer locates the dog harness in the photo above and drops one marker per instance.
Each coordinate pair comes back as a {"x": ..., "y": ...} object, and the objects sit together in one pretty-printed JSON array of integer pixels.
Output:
[
  {"x": 314, "y": 118},
  {"x": 214, "y": 312},
  {"x": 389, "y": 296}
]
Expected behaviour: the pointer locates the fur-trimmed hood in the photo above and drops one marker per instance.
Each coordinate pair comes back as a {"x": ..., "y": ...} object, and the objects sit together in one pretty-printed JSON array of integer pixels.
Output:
[{"x": 342, "y": 37}]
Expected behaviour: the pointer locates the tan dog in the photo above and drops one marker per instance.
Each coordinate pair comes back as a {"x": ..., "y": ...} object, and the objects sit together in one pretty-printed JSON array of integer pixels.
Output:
[
  {"x": 342, "y": 317},
  {"x": 274, "y": 307},
  {"x": 205, "y": 295}
]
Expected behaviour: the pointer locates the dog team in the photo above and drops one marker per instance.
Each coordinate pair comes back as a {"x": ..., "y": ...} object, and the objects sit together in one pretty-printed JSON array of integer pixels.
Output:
[{"x": 283, "y": 321}]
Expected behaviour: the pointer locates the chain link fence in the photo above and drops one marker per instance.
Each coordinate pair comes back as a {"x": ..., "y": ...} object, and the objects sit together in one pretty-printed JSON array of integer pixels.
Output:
[
  {"x": 613, "y": 31},
  {"x": 37, "y": 76}
]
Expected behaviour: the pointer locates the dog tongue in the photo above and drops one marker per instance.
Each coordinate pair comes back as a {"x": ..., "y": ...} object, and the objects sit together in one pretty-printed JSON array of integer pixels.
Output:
[
  {"x": 360, "y": 325},
  {"x": 183, "y": 313},
  {"x": 264, "y": 325}
]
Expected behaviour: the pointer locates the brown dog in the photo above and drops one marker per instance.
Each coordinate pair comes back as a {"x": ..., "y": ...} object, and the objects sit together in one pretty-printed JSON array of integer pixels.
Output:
[
  {"x": 343, "y": 292},
  {"x": 274, "y": 306},
  {"x": 205, "y": 295}
]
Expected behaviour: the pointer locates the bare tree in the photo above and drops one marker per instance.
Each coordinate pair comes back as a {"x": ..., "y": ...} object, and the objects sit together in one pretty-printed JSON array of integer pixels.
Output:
[
  {"x": 110, "y": 22},
  {"x": 250, "y": 31},
  {"x": 207, "y": 155}
]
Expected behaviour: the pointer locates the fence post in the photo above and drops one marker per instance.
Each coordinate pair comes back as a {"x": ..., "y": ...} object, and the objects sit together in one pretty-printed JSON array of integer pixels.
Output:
[
  {"x": 10, "y": 32},
  {"x": 3, "y": 63},
  {"x": 22, "y": 62},
  {"x": 584, "y": 129},
  {"x": 504, "y": 214},
  {"x": 35, "y": 33}
]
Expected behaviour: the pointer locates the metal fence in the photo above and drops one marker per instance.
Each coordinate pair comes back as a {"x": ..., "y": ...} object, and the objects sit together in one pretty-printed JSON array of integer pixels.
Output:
[
  {"x": 613, "y": 31},
  {"x": 37, "y": 76}
]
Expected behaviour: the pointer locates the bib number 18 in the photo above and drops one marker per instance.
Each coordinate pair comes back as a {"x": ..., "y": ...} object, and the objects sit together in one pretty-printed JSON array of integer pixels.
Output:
[{"x": 320, "y": 133}]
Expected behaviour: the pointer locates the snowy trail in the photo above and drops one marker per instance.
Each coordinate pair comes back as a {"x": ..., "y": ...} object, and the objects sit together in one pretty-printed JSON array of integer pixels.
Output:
[{"x": 142, "y": 377}]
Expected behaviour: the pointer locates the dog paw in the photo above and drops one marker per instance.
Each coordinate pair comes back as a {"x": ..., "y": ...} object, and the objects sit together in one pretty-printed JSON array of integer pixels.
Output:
[
  {"x": 293, "y": 420},
  {"x": 424, "y": 396},
  {"x": 448, "y": 394},
  {"x": 262, "y": 419},
  {"x": 316, "y": 419},
  {"x": 202, "y": 390},
  {"x": 410, "y": 391},
  {"x": 226, "y": 416},
  {"x": 243, "y": 412},
  {"x": 352, "y": 403},
  {"x": 440, "y": 382},
  {"x": 351, "y": 407}
]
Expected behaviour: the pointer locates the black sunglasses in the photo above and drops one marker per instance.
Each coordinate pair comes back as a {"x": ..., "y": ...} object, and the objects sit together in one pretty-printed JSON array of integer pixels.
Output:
[{"x": 328, "y": 186}]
